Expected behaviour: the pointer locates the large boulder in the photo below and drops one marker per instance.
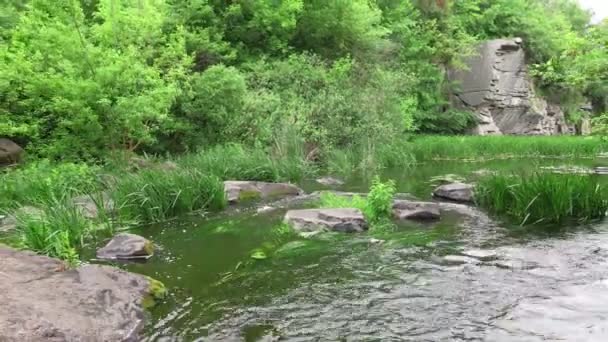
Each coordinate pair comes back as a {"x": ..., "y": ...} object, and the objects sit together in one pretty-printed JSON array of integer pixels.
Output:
[
  {"x": 497, "y": 87},
  {"x": 9, "y": 221},
  {"x": 237, "y": 191},
  {"x": 457, "y": 192},
  {"x": 10, "y": 152},
  {"x": 41, "y": 301},
  {"x": 413, "y": 210},
  {"x": 125, "y": 246},
  {"x": 341, "y": 220}
]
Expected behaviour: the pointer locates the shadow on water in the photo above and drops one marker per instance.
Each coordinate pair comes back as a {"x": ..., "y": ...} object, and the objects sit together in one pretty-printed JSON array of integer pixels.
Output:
[{"x": 382, "y": 286}]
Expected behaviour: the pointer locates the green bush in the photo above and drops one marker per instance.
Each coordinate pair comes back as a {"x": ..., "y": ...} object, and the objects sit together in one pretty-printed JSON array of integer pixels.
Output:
[
  {"x": 380, "y": 199},
  {"x": 543, "y": 197}
]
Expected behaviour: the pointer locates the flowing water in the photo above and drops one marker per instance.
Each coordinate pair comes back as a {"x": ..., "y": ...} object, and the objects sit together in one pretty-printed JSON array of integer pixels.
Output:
[{"x": 545, "y": 286}]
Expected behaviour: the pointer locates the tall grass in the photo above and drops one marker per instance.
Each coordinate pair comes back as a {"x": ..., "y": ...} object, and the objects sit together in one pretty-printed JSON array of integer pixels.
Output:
[
  {"x": 543, "y": 197},
  {"x": 231, "y": 162},
  {"x": 157, "y": 195},
  {"x": 41, "y": 182},
  {"x": 58, "y": 230},
  {"x": 480, "y": 147}
]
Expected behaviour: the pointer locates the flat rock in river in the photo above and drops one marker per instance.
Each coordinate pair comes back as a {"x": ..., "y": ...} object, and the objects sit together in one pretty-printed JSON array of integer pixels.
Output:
[
  {"x": 480, "y": 254},
  {"x": 414, "y": 210},
  {"x": 340, "y": 220},
  {"x": 126, "y": 246},
  {"x": 237, "y": 191},
  {"x": 42, "y": 302},
  {"x": 458, "y": 192}
]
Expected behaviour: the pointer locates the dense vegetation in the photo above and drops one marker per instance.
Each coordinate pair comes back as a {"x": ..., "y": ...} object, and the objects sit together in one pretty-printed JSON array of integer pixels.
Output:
[{"x": 84, "y": 79}]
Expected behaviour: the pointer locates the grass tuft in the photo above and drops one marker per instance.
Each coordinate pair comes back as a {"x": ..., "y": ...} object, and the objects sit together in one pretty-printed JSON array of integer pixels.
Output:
[{"x": 543, "y": 197}]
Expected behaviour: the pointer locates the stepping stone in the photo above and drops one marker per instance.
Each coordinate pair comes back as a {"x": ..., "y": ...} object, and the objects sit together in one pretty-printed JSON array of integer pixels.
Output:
[
  {"x": 482, "y": 255},
  {"x": 125, "y": 246},
  {"x": 237, "y": 191},
  {"x": 346, "y": 220},
  {"x": 457, "y": 192},
  {"x": 413, "y": 210}
]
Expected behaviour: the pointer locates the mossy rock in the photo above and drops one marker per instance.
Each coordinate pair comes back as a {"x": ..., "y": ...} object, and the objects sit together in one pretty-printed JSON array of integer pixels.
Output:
[
  {"x": 248, "y": 195},
  {"x": 156, "y": 291}
]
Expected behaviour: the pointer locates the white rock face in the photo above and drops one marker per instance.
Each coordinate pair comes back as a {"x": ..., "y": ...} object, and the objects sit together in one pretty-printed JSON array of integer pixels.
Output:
[{"x": 498, "y": 88}]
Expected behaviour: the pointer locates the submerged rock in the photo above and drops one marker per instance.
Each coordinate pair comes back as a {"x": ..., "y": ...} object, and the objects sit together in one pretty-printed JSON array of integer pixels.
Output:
[
  {"x": 126, "y": 246},
  {"x": 458, "y": 192},
  {"x": 330, "y": 181},
  {"x": 454, "y": 260},
  {"x": 341, "y": 220},
  {"x": 481, "y": 255},
  {"x": 10, "y": 152},
  {"x": 90, "y": 204},
  {"x": 411, "y": 210},
  {"x": 40, "y": 302},
  {"x": 237, "y": 191}
]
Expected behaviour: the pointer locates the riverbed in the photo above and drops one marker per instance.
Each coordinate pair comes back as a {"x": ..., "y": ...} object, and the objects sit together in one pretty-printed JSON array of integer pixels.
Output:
[{"x": 545, "y": 284}]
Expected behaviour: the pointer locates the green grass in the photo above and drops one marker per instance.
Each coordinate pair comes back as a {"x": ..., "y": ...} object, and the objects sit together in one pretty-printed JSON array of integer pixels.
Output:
[
  {"x": 157, "y": 195},
  {"x": 236, "y": 162},
  {"x": 40, "y": 182},
  {"x": 543, "y": 198},
  {"x": 487, "y": 147},
  {"x": 59, "y": 230}
]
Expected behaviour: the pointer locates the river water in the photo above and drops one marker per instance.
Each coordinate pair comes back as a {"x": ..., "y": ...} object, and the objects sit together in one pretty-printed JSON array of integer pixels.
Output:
[{"x": 546, "y": 284}]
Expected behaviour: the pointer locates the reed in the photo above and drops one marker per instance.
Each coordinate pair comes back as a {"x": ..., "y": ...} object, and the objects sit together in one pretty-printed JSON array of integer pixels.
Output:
[{"x": 543, "y": 198}]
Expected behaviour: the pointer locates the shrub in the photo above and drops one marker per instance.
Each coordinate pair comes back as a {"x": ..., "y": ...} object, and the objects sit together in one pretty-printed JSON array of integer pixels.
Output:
[
  {"x": 380, "y": 199},
  {"x": 543, "y": 197}
]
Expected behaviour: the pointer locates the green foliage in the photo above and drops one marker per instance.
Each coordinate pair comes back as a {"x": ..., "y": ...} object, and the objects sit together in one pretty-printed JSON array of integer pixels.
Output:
[
  {"x": 488, "y": 147},
  {"x": 157, "y": 195},
  {"x": 40, "y": 182},
  {"x": 599, "y": 126},
  {"x": 380, "y": 199},
  {"x": 543, "y": 197}
]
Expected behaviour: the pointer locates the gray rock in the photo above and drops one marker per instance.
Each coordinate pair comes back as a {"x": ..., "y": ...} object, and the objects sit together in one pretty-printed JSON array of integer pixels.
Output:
[
  {"x": 10, "y": 152},
  {"x": 9, "y": 222},
  {"x": 497, "y": 87},
  {"x": 265, "y": 209},
  {"x": 458, "y": 192},
  {"x": 454, "y": 260},
  {"x": 237, "y": 191},
  {"x": 341, "y": 220},
  {"x": 125, "y": 246},
  {"x": 411, "y": 210},
  {"x": 41, "y": 301},
  {"x": 330, "y": 181},
  {"x": 481, "y": 255},
  {"x": 89, "y": 204}
]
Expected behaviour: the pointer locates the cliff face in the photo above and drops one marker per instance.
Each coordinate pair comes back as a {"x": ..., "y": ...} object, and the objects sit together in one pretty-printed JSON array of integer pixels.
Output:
[{"x": 497, "y": 87}]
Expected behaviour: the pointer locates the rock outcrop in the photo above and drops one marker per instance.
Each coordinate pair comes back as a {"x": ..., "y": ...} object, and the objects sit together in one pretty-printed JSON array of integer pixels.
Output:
[
  {"x": 497, "y": 86},
  {"x": 237, "y": 191},
  {"x": 347, "y": 220},
  {"x": 457, "y": 192},
  {"x": 43, "y": 302},
  {"x": 89, "y": 205},
  {"x": 10, "y": 152},
  {"x": 125, "y": 246},
  {"x": 413, "y": 210}
]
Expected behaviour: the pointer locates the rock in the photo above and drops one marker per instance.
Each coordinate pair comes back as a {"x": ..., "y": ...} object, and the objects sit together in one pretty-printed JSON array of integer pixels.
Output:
[
  {"x": 376, "y": 241},
  {"x": 601, "y": 170},
  {"x": 411, "y": 210},
  {"x": 142, "y": 163},
  {"x": 237, "y": 191},
  {"x": 342, "y": 220},
  {"x": 481, "y": 255},
  {"x": 454, "y": 260},
  {"x": 88, "y": 204},
  {"x": 265, "y": 209},
  {"x": 10, "y": 152},
  {"x": 497, "y": 87},
  {"x": 458, "y": 192},
  {"x": 125, "y": 246},
  {"x": 40, "y": 302},
  {"x": 330, "y": 181},
  {"x": 9, "y": 222}
]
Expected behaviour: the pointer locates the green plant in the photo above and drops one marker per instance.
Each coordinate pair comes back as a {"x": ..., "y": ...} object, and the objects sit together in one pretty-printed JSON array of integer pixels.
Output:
[
  {"x": 543, "y": 197},
  {"x": 157, "y": 195},
  {"x": 380, "y": 199}
]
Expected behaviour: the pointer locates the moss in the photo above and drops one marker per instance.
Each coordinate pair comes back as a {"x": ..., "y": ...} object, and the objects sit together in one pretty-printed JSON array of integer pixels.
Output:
[
  {"x": 149, "y": 247},
  {"x": 156, "y": 291},
  {"x": 245, "y": 195}
]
